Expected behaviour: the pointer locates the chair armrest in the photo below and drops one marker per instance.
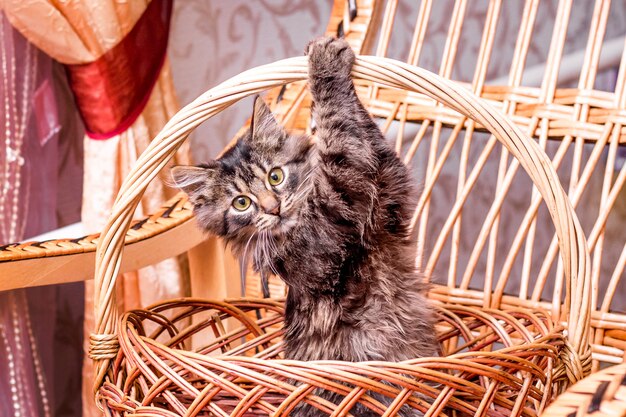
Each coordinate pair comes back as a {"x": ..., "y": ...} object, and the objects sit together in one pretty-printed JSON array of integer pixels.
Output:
[{"x": 168, "y": 232}]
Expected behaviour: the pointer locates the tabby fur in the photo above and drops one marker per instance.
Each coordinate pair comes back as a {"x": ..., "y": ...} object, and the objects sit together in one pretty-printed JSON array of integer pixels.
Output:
[{"x": 340, "y": 240}]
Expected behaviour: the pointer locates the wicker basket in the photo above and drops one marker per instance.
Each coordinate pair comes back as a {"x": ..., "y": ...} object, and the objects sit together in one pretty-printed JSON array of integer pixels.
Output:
[
  {"x": 600, "y": 394},
  {"x": 496, "y": 363}
]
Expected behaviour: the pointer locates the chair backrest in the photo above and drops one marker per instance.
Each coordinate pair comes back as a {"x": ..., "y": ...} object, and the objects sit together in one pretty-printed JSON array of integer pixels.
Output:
[{"x": 483, "y": 233}]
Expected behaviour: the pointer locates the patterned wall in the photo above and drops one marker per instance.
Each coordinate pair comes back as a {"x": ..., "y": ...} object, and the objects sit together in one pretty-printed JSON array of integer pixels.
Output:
[{"x": 213, "y": 40}]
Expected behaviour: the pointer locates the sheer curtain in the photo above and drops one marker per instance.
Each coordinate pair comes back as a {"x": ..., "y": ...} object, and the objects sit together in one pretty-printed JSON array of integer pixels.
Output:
[
  {"x": 80, "y": 33},
  {"x": 28, "y": 150}
]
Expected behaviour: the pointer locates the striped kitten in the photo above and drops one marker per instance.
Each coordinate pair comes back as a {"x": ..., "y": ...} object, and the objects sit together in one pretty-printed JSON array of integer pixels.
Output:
[{"x": 330, "y": 217}]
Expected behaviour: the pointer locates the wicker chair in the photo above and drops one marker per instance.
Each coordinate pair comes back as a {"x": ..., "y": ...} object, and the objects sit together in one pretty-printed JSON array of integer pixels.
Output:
[
  {"x": 600, "y": 394},
  {"x": 516, "y": 328}
]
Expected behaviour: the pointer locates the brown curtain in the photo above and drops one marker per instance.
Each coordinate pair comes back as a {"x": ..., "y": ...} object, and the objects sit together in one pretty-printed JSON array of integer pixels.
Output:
[
  {"x": 78, "y": 32},
  {"x": 26, "y": 152}
]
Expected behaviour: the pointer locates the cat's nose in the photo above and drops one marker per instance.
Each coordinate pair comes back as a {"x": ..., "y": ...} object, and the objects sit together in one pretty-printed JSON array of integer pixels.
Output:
[
  {"x": 275, "y": 210},
  {"x": 270, "y": 205}
]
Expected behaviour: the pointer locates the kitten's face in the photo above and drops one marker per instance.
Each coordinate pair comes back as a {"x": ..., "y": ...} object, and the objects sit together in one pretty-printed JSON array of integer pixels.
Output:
[{"x": 258, "y": 186}]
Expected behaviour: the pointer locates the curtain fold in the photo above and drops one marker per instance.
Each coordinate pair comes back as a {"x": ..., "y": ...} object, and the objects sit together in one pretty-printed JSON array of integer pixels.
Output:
[
  {"x": 80, "y": 32},
  {"x": 29, "y": 148},
  {"x": 74, "y": 31},
  {"x": 107, "y": 162}
]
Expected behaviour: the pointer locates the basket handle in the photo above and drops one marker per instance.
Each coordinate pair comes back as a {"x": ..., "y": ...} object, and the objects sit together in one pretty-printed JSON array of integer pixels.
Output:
[{"x": 384, "y": 71}]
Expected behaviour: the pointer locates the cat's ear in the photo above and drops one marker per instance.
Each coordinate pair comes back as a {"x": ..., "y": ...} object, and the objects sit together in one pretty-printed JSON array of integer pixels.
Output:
[
  {"x": 190, "y": 179},
  {"x": 264, "y": 125}
]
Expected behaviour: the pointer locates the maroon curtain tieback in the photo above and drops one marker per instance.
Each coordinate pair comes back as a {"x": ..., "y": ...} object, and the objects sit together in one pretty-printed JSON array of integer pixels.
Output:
[{"x": 112, "y": 91}]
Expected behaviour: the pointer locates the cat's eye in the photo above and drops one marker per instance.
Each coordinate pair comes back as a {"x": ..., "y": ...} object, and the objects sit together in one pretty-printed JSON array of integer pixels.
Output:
[
  {"x": 241, "y": 203},
  {"x": 276, "y": 176}
]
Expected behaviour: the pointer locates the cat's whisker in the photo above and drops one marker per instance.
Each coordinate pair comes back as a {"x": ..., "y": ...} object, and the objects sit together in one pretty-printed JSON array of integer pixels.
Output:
[
  {"x": 298, "y": 197},
  {"x": 272, "y": 242},
  {"x": 245, "y": 251},
  {"x": 307, "y": 173},
  {"x": 299, "y": 191},
  {"x": 269, "y": 261},
  {"x": 244, "y": 264},
  {"x": 266, "y": 249},
  {"x": 257, "y": 252},
  {"x": 307, "y": 176}
]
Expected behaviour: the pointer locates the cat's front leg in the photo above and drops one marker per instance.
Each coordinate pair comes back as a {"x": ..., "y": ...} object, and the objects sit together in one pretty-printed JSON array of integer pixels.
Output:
[
  {"x": 330, "y": 63},
  {"x": 329, "y": 59},
  {"x": 349, "y": 140}
]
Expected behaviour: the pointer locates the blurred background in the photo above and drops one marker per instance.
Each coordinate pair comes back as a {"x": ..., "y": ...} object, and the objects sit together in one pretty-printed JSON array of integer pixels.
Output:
[
  {"x": 55, "y": 176},
  {"x": 245, "y": 34}
]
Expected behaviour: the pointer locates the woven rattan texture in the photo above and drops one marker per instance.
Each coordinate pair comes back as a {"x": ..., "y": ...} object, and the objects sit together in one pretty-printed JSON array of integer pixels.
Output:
[
  {"x": 561, "y": 358},
  {"x": 483, "y": 233},
  {"x": 600, "y": 394},
  {"x": 560, "y": 361},
  {"x": 241, "y": 371},
  {"x": 520, "y": 358},
  {"x": 505, "y": 360},
  {"x": 172, "y": 213},
  {"x": 583, "y": 129}
]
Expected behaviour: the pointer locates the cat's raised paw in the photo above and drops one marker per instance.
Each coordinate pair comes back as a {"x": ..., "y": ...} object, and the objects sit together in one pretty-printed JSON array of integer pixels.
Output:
[{"x": 329, "y": 57}]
